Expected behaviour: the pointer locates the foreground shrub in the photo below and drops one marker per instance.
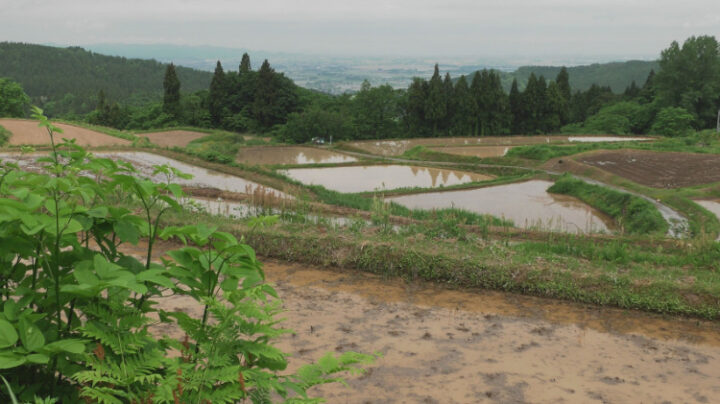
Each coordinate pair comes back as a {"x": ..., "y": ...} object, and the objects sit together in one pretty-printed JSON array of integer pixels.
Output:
[{"x": 77, "y": 313}]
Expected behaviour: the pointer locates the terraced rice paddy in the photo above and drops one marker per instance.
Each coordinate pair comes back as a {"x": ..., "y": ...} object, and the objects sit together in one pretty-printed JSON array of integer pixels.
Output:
[
  {"x": 382, "y": 177},
  {"x": 527, "y": 204},
  {"x": 291, "y": 155},
  {"x": 26, "y": 132}
]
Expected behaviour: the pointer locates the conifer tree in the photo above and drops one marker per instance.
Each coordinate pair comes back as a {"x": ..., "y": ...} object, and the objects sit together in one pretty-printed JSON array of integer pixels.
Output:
[
  {"x": 245, "y": 64},
  {"x": 450, "y": 102},
  {"x": 464, "y": 108},
  {"x": 436, "y": 104},
  {"x": 555, "y": 106},
  {"x": 415, "y": 110},
  {"x": 171, "y": 98},
  {"x": 476, "y": 90},
  {"x": 217, "y": 95},
  {"x": 517, "y": 109},
  {"x": 563, "y": 83}
]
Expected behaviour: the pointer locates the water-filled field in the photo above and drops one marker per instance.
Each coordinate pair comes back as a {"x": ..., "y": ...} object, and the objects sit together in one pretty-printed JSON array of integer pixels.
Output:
[
  {"x": 291, "y": 155},
  {"x": 527, "y": 204},
  {"x": 382, "y": 177}
]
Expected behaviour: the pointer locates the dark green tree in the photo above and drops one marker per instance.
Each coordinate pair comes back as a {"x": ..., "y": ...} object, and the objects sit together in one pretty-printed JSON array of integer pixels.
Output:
[
  {"x": 376, "y": 112},
  {"x": 563, "y": 83},
  {"x": 217, "y": 95},
  {"x": 436, "y": 103},
  {"x": 416, "y": 123},
  {"x": 451, "y": 105},
  {"x": 13, "y": 100},
  {"x": 463, "y": 123},
  {"x": 689, "y": 78},
  {"x": 245, "y": 64},
  {"x": 476, "y": 91},
  {"x": 171, "y": 97},
  {"x": 535, "y": 100},
  {"x": 517, "y": 110},
  {"x": 274, "y": 98}
]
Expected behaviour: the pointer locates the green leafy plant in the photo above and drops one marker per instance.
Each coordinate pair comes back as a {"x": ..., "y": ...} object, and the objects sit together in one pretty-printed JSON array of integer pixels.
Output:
[{"x": 77, "y": 312}]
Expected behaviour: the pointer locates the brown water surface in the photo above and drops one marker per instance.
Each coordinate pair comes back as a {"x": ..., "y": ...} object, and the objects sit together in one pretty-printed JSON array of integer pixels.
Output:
[
  {"x": 397, "y": 147},
  {"x": 382, "y": 177},
  {"x": 475, "y": 151},
  {"x": 527, "y": 204},
  {"x": 290, "y": 155}
]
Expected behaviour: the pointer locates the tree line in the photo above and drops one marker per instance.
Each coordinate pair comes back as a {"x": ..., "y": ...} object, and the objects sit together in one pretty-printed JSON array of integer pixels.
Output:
[{"x": 682, "y": 96}]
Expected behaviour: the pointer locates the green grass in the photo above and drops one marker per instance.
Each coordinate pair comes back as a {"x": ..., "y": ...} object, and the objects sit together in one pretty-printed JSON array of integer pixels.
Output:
[
  {"x": 635, "y": 215},
  {"x": 702, "y": 142},
  {"x": 679, "y": 280}
]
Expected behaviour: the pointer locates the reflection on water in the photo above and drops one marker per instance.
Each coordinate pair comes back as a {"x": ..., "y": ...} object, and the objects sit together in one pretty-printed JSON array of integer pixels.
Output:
[
  {"x": 397, "y": 147},
  {"x": 590, "y": 139},
  {"x": 476, "y": 151},
  {"x": 202, "y": 177},
  {"x": 290, "y": 155},
  {"x": 143, "y": 162},
  {"x": 370, "y": 178},
  {"x": 527, "y": 204}
]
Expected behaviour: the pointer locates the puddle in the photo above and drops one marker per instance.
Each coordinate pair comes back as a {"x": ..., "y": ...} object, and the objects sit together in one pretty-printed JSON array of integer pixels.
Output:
[
  {"x": 476, "y": 151},
  {"x": 290, "y": 155},
  {"x": 527, "y": 204},
  {"x": 381, "y": 177}
]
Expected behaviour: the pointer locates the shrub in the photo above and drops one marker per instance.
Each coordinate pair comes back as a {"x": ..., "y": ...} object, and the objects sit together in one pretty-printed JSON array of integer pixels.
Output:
[
  {"x": 673, "y": 121},
  {"x": 77, "y": 312}
]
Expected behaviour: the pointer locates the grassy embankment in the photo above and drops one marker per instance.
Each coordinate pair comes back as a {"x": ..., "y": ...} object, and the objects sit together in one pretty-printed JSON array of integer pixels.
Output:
[
  {"x": 634, "y": 215},
  {"x": 683, "y": 279}
]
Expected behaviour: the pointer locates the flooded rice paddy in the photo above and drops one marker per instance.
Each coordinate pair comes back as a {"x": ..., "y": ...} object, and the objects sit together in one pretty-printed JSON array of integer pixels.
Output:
[
  {"x": 527, "y": 204},
  {"x": 291, "y": 155},
  {"x": 382, "y": 177},
  {"x": 475, "y": 151},
  {"x": 398, "y": 147},
  {"x": 144, "y": 162},
  {"x": 201, "y": 177}
]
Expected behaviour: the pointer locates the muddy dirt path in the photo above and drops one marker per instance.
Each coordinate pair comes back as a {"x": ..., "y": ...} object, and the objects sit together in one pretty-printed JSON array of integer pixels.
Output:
[{"x": 446, "y": 346}]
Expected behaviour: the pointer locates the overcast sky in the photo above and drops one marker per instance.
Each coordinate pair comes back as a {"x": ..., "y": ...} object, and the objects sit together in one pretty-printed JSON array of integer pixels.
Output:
[{"x": 543, "y": 29}]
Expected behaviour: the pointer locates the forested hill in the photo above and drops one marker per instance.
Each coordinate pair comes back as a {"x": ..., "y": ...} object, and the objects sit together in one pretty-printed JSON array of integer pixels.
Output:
[
  {"x": 616, "y": 75},
  {"x": 67, "y": 80}
]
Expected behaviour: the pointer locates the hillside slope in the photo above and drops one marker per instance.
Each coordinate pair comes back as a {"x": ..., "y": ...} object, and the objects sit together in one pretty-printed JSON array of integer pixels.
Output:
[
  {"x": 617, "y": 75},
  {"x": 67, "y": 80}
]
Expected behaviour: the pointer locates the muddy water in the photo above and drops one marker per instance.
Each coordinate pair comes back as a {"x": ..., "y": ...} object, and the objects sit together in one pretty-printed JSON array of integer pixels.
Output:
[
  {"x": 590, "y": 139},
  {"x": 290, "y": 155},
  {"x": 527, "y": 204},
  {"x": 445, "y": 346},
  {"x": 476, "y": 151},
  {"x": 381, "y": 177},
  {"x": 202, "y": 177},
  {"x": 397, "y": 147}
]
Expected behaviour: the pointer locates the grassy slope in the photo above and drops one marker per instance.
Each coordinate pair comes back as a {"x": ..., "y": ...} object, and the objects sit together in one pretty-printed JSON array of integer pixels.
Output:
[
  {"x": 681, "y": 280},
  {"x": 634, "y": 214}
]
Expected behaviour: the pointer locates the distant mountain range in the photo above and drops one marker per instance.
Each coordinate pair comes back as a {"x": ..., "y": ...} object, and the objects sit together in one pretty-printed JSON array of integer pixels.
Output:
[
  {"x": 337, "y": 74},
  {"x": 67, "y": 80}
]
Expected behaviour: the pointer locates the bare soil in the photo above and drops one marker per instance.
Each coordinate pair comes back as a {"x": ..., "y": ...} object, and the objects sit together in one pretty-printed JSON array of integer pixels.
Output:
[
  {"x": 448, "y": 346},
  {"x": 25, "y": 132},
  {"x": 657, "y": 169},
  {"x": 173, "y": 138}
]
